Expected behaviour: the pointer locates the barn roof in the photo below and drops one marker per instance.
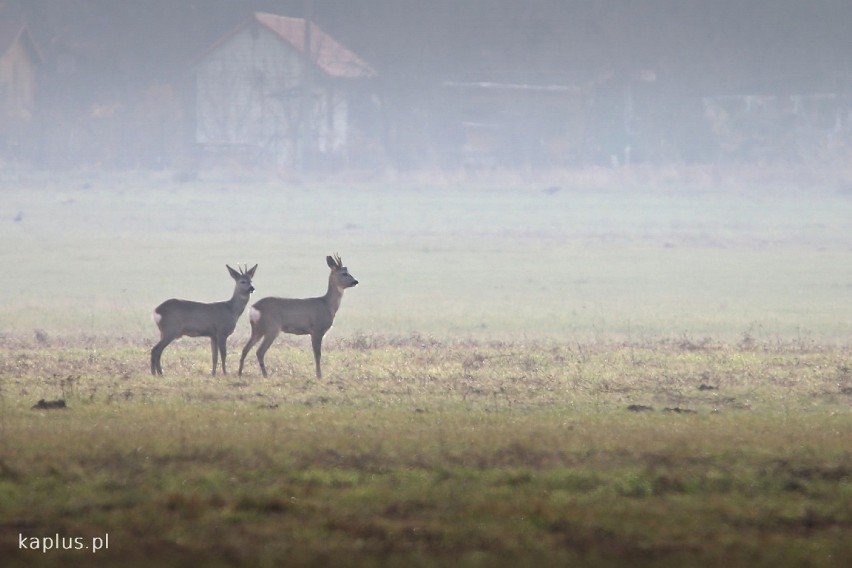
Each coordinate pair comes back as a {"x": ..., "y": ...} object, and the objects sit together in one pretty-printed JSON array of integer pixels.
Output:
[
  {"x": 328, "y": 54},
  {"x": 14, "y": 29}
]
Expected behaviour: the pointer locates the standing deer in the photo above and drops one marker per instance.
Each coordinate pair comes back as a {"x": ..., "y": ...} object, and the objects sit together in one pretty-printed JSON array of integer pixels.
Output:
[
  {"x": 177, "y": 318},
  {"x": 307, "y": 316}
]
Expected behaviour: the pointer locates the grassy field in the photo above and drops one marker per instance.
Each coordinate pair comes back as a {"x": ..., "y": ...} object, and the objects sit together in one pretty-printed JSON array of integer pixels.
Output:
[
  {"x": 651, "y": 376},
  {"x": 433, "y": 454},
  {"x": 94, "y": 256}
]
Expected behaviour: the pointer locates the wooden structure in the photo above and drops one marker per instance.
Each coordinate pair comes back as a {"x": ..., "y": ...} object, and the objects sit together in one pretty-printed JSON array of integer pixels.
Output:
[
  {"x": 779, "y": 127},
  {"x": 519, "y": 125},
  {"x": 260, "y": 94},
  {"x": 20, "y": 60}
]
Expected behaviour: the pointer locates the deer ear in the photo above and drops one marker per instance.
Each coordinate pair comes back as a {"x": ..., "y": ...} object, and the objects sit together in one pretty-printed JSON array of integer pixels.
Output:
[
  {"x": 234, "y": 274},
  {"x": 331, "y": 264},
  {"x": 251, "y": 272}
]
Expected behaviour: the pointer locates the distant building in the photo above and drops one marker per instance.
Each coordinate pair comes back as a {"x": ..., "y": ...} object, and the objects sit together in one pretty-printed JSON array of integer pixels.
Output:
[
  {"x": 516, "y": 125},
  {"x": 604, "y": 120},
  {"x": 19, "y": 63},
  {"x": 763, "y": 127},
  {"x": 258, "y": 98}
]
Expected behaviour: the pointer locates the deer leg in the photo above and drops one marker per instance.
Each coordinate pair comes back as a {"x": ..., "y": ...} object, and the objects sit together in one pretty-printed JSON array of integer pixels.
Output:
[
  {"x": 261, "y": 351},
  {"x": 223, "y": 347},
  {"x": 252, "y": 340},
  {"x": 215, "y": 348},
  {"x": 157, "y": 352},
  {"x": 316, "y": 343},
  {"x": 154, "y": 359}
]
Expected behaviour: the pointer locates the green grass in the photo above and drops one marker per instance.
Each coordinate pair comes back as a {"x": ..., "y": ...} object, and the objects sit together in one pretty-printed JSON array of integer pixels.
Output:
[
  {"x": 432, "y": 453},
  {"x": 474, "y": 409}
]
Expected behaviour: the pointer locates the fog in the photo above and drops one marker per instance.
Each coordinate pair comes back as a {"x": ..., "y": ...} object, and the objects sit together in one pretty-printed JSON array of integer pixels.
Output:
[
  {"x": 603, "y": 252},
  {"x": 473, "y": 86}
]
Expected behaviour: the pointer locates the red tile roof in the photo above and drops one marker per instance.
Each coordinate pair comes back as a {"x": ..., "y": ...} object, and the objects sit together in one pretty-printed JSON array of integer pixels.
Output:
[
  {"x": 326, "y": 52},
  {"x": 11, "y": 34},
  {"x": 12, "y": 25}
]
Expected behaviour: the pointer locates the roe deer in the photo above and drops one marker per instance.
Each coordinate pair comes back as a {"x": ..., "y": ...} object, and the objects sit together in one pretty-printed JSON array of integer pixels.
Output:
[
  {"x": 177, "y": 318},
  {"x": 307, "y": 316}
]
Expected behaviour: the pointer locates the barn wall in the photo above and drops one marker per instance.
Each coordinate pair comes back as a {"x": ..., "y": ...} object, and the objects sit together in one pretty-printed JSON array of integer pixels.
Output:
[
  {"x": 17, "y": 84},
  {"x": 248, "y": 96},
  {"x": 332, "y": 123},
  {"x": 242, "y": 90}
]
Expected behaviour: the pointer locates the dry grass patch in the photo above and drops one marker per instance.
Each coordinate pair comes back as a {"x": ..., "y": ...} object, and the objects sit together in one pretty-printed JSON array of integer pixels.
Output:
[{"x": 432, "y": 453}]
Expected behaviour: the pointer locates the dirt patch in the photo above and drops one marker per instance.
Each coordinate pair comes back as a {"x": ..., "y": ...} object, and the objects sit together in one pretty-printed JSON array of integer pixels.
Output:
[{"x": 50, "y": 405}]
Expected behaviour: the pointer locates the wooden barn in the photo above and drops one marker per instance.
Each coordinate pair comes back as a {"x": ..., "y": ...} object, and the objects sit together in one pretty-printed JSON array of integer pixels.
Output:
[
  {"x": 19, "y": 63},
  {"x": 261, "y": 96}
]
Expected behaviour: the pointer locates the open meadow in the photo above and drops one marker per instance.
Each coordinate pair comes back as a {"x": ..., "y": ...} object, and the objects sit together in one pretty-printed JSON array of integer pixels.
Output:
[{"x": 596, "y": 373}]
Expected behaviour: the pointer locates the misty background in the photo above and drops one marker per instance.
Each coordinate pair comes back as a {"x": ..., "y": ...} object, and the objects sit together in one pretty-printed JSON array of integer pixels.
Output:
[{"x": 444, "y": 85}]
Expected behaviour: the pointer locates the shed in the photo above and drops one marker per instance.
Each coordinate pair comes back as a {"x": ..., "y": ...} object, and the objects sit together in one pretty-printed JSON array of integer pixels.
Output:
[
  {"x": 779, "y": 127},
  {"x": 255, "y": 88},
  {"x": 519, "y": 124},
  {"x": 19, "y": 62}
]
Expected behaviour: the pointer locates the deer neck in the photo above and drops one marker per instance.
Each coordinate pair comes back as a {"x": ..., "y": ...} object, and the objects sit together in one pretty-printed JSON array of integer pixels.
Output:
[
  {"x": 333, "y": 297},
  {"x": 238, "y": 303}
]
